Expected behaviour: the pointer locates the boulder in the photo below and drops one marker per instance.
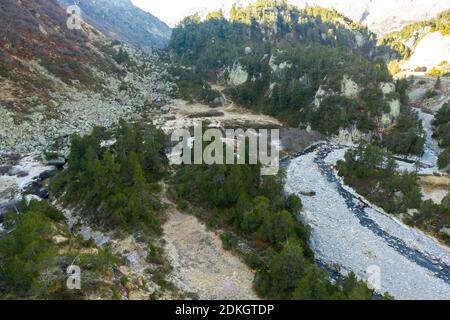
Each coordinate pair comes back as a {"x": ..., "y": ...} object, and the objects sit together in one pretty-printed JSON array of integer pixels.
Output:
[
  {"x": 218, "y": 102},
  {"x": 394, "y": 106},
  {"x": 59, "y": 161},
  {"x": 14, "y": 171},
  {"x": 22, "y": 174},
  {"x": 387, "y": 88},
  {"x": 349, "y": 88},
  {"x": 412, "y": 212},
  {"x": 399, "y": 195},
  {"x": 445, "y": 231},
  {"x": 164, "y": 109},
  {"x": 8, "y": 205},
  {"x": 37, "y": 189},
  {"x": 31, "y": 197},
  {"x": 238, "y": 75},
  {"x": 48, "y": 174}
]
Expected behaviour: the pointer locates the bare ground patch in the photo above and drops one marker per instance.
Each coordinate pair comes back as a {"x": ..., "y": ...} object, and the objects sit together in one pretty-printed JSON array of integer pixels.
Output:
[{"x": 199, "y": 263}]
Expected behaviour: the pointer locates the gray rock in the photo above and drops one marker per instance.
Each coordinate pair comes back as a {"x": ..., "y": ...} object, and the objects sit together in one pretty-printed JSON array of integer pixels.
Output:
[
  {"x": 22, "y": 174},
  {"x": 399, "y": 195},
  {"x": 445, "y": 231},
  {"x": 8, "y": 205},
  {"x": 48, "y": 174},
  {"x": 218, "y": 102},
  {"x": 165, "y": 109},
  {"x": 412, "y": 212},
  {"x": 4, "y": 169},
  {"x": 14, "y": 171}
]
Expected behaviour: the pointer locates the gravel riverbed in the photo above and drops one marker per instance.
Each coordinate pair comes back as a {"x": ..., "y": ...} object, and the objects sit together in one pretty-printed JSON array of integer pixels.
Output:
[{"x": 354, "y": 236}]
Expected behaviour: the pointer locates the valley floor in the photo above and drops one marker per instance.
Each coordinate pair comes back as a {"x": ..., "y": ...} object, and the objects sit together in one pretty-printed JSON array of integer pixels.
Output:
[{"x": 413, "y": 265}]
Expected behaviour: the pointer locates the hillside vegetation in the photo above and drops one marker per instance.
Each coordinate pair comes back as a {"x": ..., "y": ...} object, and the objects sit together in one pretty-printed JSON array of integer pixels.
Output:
[
  {"x": 307, "y": 66},
  {"x": 36, "y": 250}
]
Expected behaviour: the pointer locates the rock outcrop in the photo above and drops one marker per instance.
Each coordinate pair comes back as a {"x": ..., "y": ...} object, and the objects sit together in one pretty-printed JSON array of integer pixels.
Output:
[{"x": 237, "y": 75}]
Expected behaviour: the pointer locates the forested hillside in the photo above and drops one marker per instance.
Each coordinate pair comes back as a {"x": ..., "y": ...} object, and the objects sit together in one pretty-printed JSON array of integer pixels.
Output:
[{"x": 308, "y": 66}]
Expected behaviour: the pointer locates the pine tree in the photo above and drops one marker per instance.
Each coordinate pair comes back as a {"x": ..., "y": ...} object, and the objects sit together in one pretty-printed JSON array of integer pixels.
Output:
[{"x": 437, "y": 85}]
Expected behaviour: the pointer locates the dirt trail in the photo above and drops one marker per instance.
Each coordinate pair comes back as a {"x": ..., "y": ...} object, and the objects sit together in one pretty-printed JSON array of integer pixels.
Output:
[{"x": 200, "y": 264}]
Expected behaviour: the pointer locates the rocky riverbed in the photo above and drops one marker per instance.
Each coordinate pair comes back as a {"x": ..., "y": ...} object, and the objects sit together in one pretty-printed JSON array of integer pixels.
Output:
[{"x": 351, "y": 235}]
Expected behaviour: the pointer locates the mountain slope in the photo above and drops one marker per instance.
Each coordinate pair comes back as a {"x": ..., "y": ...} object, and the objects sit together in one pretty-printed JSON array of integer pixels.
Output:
[
  {"x": 39, "y": 46},
  {"x": 122, "y": 20},
  {"x": 55, "y": 81}
]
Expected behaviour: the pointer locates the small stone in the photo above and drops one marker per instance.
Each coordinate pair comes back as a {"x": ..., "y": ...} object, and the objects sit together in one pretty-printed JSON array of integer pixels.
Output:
[
  {"x": 399, "y": 195},
  {"x": 412, "y": 212},
  {"x": 218, "y": 102},
  {"x": 445, "y": 231}
]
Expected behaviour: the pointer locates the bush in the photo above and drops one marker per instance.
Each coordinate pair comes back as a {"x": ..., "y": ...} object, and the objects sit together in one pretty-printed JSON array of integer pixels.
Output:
[
  {"x": 229, "y": 241},
  {"x": 47, "y": 209},
  {"x": 394, "y": 67},
  {"x": 444, "y": 159},
  {"x": 26, "y": 252},
  {"x": 436, "y": 72},
  {"x": 430, "y": 94}
]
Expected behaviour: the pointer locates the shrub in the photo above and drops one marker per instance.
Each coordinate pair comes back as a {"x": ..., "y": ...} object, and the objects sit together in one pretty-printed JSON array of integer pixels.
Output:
[
  {"x": 420, "y": 69},
  {"x": 121, "y": 56},
  {"x": 436, "y": 72},
  {"x": 430, "y": 94}
]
